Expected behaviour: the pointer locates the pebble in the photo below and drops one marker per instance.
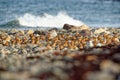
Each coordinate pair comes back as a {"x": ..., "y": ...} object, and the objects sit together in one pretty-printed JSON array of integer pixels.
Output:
[
  {"x": 30, "y": 32},
  {"x": 101, "y": 30},
  {"x": 53, "y": 34},
  {"x": 85, "y": 32},
  {"x": 67, "y": 55},
  {"x": 100, "y": 76},
  {"x": 107, "y": 66},
  {"x": 75, "y": 28}
]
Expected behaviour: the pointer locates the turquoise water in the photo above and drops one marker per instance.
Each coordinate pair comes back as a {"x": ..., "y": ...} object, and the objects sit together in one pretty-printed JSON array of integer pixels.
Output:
[{"x": 28, "y": 13}]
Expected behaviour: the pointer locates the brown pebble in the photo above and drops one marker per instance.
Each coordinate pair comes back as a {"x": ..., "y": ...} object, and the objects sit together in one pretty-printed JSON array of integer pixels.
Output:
[{"x": 91, "y": 58}]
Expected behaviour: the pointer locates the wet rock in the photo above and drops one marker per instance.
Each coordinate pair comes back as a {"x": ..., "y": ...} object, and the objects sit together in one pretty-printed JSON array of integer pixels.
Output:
[
  {"x": 67, "y": 26},
  {"x": 75, "y": 28}
]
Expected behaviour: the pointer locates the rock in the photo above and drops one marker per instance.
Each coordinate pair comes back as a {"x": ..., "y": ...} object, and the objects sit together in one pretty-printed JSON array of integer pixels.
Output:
[
  {"x": 53, "y": 34},
  {"x": 116, "y": 58},
  {"x": 60, "y": 73},
  {"x": 89, "y": 44},
  {"x": 100, "y": 76},
  {"x": 21, "y": 32},
  {"x": 37, "y": 32},
  {"x": 107, "y": 66},
  {"x": 14, "y": 31},
  {"x": 75, "y": 28},
  {"x": 100, "y": 44},
  {"x": 101, "y": 30},
  {"x": 84, "y": 27},
  {"x": 54, "y": 29},
  {"x": 8, "y": 39},
  {"x": 4, "y": 52},
  {"x": 30, "y": 32},
  {"x": 14, "y": 76},
  {"x": 67, "y": 26},
  {"x": 85, "y": 32}
]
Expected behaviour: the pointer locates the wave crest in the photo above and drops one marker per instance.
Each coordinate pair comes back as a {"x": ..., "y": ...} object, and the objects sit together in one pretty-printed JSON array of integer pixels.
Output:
[{"x": 48, "y": 20}]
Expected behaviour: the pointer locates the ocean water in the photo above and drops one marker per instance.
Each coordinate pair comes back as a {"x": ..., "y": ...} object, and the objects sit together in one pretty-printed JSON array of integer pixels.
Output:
[{"x": 55, "y": 13}]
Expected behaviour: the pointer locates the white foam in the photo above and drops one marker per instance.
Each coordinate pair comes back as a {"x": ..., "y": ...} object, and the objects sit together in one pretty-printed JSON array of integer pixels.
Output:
[{"x": 48, "y": 20}]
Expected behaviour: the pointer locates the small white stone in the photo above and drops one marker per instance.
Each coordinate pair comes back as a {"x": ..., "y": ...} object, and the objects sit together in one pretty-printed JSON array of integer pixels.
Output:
[
  {"x": 116, "y": 39},
  {"x": 53, "y": 34},
  {"x": 101, "y": 30},
  {"x": 90, "y": 44},
  {"x": 83, "y": 27},
  {"x": 100, "y": 44}
]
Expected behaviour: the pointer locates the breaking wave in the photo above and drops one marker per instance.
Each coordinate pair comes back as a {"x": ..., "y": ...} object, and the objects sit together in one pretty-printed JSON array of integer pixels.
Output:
[{"x": 48, "y": 20}]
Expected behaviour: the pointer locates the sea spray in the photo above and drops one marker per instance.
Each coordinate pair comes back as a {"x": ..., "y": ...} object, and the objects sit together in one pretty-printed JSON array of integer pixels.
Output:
[{"x": 48, "y": 20}]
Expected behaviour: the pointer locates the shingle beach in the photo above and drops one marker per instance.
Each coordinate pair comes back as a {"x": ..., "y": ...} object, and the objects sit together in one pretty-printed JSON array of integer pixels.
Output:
[{"x": 60, "y": 54}]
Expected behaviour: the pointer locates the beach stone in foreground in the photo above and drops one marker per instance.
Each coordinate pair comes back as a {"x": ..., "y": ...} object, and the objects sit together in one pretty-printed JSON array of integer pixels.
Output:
[{"x": 59, "y": 55}]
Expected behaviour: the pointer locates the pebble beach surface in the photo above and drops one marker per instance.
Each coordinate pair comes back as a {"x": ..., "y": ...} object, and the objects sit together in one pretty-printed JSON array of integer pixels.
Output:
[{"x": 60, "y": 54}]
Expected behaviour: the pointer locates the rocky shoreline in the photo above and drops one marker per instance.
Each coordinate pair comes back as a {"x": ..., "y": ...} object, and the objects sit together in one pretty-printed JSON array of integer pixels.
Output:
[{"x": 60, "y": 54}]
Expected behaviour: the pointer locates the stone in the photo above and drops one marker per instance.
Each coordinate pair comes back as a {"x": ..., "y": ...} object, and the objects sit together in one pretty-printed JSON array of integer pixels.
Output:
[
  {"x": 75, "y": 28},
  {"x": 84, "y": 27},
  {"x": 100, "y": 44},
  {"x": 101, "y": 30},
  {"x": 21, "y": 32},
  {"x": 8, "y": 38},
  {"x": 107, "y": 66},
  {"x": 37, "y": 32},
  {"x": 85, "y": 32},
  {"x": 14, "y": 31},
  {"x": 53, "y": 34},
  {"x": 100, "y": 76},
  {"x": 67, "y": 26},
  {"x": 30, "y": 32},
  {"x": 89, "y": 44},
  {"x": 56, "y": 29}
]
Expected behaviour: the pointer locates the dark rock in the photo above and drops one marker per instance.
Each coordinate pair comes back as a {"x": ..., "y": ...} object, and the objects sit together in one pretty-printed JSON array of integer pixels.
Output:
[
  {"x": 37, "y": 32},
  {"x": 56, "y": 29},
  {"x": 85, "y": 32},
  {"x": 67, "y": 26},
  {"x": 75, "y": 28}
]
